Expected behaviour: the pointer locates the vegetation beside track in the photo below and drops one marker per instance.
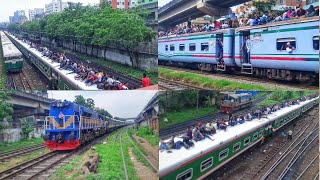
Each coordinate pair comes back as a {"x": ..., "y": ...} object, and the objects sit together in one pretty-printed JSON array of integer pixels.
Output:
[
  {"x": 204, "y": 81},
  {"x": 276, "y": 97},
  {"x": 124, "y": 69},
  {"x": 19, "y": 160},
  {"x": 186, "y": 115},
  {"x": 5, "y": 147},
  {"x": 146, "y": 133},
  {"x": 3, "y": 75}
]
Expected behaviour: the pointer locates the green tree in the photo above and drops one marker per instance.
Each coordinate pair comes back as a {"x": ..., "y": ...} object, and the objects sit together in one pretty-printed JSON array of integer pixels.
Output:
[
  {"x": 90, "y": 103},
  {"x": 26, "y": 127},
  {"x": 79, "y": 99},
  {"x": 6, "y": 109},
  {"x": 264, "y": 6},
  {"x": 103, "y": 112}
]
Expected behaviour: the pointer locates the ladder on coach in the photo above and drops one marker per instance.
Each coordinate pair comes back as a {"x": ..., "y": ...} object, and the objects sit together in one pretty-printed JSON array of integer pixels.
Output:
[{"x": 246, "y": 68}]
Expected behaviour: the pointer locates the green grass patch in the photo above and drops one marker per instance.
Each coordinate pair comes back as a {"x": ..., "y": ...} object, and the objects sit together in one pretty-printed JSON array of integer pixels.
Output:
[
  {"x": 70, "y": 170},
  {"x": 4, "y": 147},
  {"x": 205, "y": 81},
  {"x": 185, "y": 115},
  {"x": 147, "y": 133},
  {"x": 3, "y": 75},
  {"x": 124, "y": 69}
]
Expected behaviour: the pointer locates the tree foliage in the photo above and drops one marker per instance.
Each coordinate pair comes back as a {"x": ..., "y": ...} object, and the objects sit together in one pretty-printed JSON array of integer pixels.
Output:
[
  {"x": 6, "y": 109},
  {"x": 26, "y": 127},
  {"x": 89, "y": 103},
  {"x": 264, "y": 6}
]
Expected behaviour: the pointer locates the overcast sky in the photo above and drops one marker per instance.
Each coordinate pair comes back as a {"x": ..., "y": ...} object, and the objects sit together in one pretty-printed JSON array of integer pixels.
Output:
[
  {"x": 123, "y": 104},
  {"x": 8, "y": 7}
]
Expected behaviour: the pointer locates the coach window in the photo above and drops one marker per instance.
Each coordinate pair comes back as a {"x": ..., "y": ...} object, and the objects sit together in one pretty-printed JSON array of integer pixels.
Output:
[
  {"x": 260, "y": 133},
  {"x": 316, "y": 43},
  {"x": 223, "y": 154},
  {"x": 206, "y": 164},
  {"x": 204, "y": 46},
  {"x": 166, "y": 47},
  {"x": 246, "y": 141},
  {"x": 186, "y": 175},
  {"x": 182, "y": 47},
  {"x": 236, "y": 146},
  {"x": 66, "y": 87},
  {"x": 172, "y": 47},
  {"x": 255, "y": 136},
  {"x": 192, "y": 47},
  {"x": 282, "y": 43}
]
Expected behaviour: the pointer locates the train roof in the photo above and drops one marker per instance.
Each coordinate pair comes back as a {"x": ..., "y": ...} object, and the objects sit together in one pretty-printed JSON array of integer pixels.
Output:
[
  {"x": 8, "y": 48},
  {"x": 280, "y": 23},
  {"x": 198, "y": 33},
  {"x": 170, "y": 161},
  {"x": 62, "y": 72}
]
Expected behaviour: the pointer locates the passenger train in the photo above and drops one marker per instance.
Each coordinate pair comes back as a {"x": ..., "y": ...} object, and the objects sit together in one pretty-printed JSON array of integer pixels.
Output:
[
  {"x": 268, "y": 56},
  {"x": 230, "y": 101},
  {"x": 12, "y": 57},
  {"x": 207, "y": 156},
  {"x": 70, "y": 125}
]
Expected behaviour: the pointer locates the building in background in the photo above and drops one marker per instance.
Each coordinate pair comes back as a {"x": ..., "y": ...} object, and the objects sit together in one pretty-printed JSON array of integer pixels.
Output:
[
  {"x": 121, "y": 4},
  {"x": 18, "y": 17},
  {"x": 56, "y": 6},
  {"x": 36, "y": 14}
]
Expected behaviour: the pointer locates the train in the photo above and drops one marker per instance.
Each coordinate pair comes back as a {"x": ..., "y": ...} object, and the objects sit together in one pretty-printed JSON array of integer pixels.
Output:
[
  {"x": 230, "y": 101},
  {"x": 12, "y": 57},
  {"x": 69, "y": 125},
  {"x": 207, "y": 156},
  {"x": 267, "y": 57}
]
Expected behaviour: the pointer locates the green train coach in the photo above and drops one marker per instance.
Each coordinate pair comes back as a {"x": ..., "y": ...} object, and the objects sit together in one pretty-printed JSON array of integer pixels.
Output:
[
  {"x": 207, "y": 156},
  {"x": 12, "y": 57}
]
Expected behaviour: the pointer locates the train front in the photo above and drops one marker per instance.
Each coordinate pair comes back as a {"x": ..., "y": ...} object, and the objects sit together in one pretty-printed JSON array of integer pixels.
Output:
[{"x": 62, "y": 127}]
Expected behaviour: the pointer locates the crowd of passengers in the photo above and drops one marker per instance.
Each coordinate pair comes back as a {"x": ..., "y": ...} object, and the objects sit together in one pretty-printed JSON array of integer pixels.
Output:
[
  {"x": 90, "y": 76},
  {"x": 258, "y": 18},
  {"x": 202, "y": 131}
]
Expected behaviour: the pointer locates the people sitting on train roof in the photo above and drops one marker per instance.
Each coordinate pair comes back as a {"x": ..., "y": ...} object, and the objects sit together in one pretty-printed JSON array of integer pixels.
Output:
[
  {"x": 203, "y": 131},
  {"x": 176, "y": 144},
  {"x": 187, "y": 141},
  {"x": 163, "y": 146},
  {"x": 223, "y": 125},
  {"x": 210, "y": 128},
  {"x": 196, "y": 135}
]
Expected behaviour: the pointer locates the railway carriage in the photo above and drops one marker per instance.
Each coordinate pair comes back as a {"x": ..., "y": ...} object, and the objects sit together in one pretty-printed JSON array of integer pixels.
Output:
[
  {"x": 12, "y": 57},
  {"x": 199, "y": 49},
  {"x": 268, "y": 55},
  {"x": 208, "y": 156},
  {"x": 59, "y": 79}
]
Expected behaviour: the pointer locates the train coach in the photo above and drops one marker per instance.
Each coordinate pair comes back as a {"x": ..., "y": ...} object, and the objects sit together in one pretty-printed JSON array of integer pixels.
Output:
[
  {"x": 267, "y": 57},
  {"x": 70, "y": 125},
  {"x": 207, "y": 156},
  {"x": 12, "y": 57},
  {"x": 59, "y": 78}
]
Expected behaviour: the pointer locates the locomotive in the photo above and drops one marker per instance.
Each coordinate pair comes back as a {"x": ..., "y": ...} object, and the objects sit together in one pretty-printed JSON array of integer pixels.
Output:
[
  {"x": 231, "y": 102},
  {"x": 267, "y": 57},
  {"x": 69, "y": 125}
]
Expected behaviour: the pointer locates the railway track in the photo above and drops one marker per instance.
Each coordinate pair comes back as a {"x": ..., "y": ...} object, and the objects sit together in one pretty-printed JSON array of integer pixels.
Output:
[
  {"x": 246, "y": 79},
  {"x": 280, "y": 149},
  {"x": 132, "y": 83},
  {"x": 20, "y": 152},
  {"x": 166, "y": 84},
  {"x": 181, "y": 127},
  {"x": 123, "y": 160},
  {"x": 18, "y": 81}
]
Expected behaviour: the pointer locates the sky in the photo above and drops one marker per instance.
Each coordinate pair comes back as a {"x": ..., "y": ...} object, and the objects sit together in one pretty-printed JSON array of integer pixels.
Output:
[
  {"x": 123, "y": 104},
  {"x": 8, "y": 7}
]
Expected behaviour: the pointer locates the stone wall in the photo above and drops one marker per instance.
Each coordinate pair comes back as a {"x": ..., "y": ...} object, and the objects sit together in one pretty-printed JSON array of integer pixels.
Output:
[
  {"x": 147, "y": 57},
  {"x": 10, "y": 135}
]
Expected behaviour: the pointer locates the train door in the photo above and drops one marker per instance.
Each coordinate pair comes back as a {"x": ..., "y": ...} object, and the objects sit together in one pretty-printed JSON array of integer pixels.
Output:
[
  {"x": 219, "y": 52},
  {"x": 245, "y": 50}
]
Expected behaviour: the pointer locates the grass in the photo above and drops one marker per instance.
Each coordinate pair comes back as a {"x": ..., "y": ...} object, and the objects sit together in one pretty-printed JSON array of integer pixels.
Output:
[
  {"x": 208, "y": 82},
  {"x": 186, "y": 115},
  {"x": 147, "y": 133},
  {"x": 69, "y": 170},
  {"x": 15, "y": 161},
  {"x": 4, "y": 147},
  {"x": 124, "y": 69},
  {"x": 3, "y": 75}
]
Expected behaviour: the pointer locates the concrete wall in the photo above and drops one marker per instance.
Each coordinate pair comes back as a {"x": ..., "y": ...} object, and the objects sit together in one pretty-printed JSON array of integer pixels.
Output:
[
  {"x": 10, "y": 135},
  {"x": 147, "y": 57}
]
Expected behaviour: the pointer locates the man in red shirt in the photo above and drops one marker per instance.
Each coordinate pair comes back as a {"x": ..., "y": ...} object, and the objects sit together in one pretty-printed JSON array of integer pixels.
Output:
[{"x": 145, "y": 80}]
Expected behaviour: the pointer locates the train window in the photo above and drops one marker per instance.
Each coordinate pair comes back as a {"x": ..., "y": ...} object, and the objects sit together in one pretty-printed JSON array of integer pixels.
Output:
[
  {"x": 236, "y": 146},
  {"x": 66, "y": 87},
  {"x": 223, "y": 154},
  {"x": 255, "y": 136},
  {"x": 192, "y": 47},
  {"x": 260, "y": 133},
  {"x": 246, "y": 141},
  {"x": 204, "y": 46},
  {"x": 182, "y": 47},
  {"x": 282, "y": 43},
  {"x": 316, "y": 42},
  {"x": 206, "y": 164},
  {"x": 166, "y": 47},
  {"x": 172, "y": 47},
  {"x": 186, "y": 175}
]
